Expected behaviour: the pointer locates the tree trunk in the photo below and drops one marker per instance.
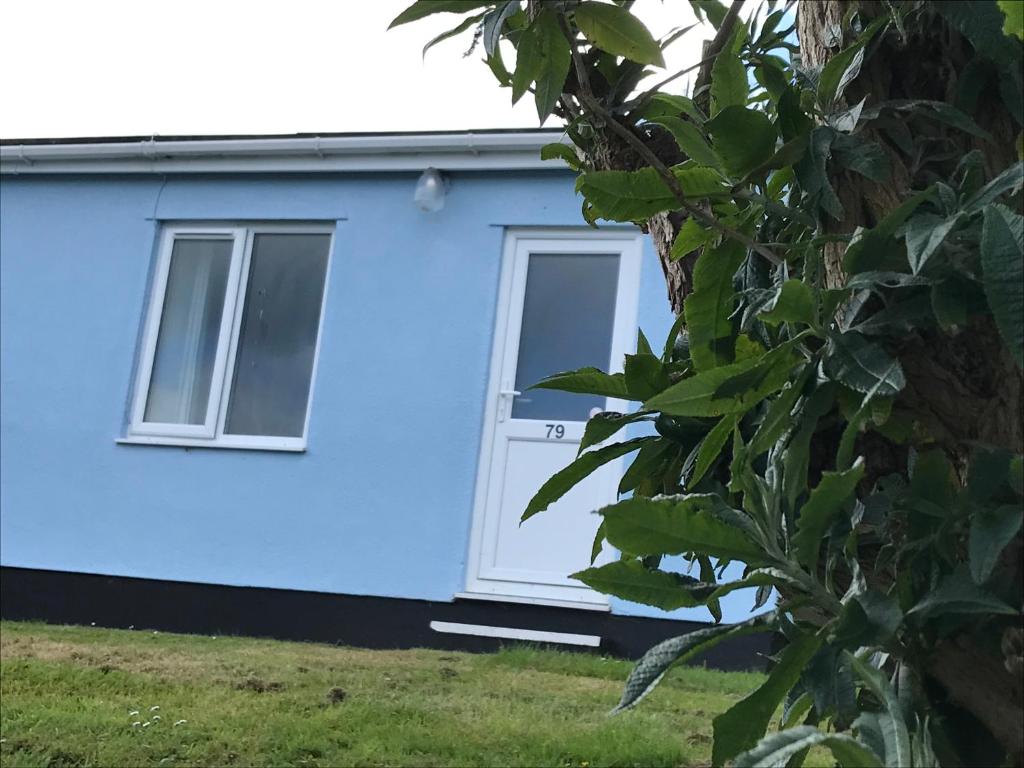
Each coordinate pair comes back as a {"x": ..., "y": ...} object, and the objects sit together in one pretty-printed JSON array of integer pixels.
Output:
[{"x": 962, "y": 388}]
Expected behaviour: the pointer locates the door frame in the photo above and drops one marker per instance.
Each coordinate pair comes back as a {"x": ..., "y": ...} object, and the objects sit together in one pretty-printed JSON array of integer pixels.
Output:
[{"x": 629, "y": 244}]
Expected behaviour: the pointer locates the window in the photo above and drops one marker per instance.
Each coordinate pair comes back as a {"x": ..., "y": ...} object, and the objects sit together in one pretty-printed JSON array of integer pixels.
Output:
[{"x": 231, "y": 337}]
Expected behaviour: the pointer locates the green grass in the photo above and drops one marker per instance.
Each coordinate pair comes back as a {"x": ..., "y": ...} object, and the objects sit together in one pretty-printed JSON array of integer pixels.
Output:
[{"x": 67, "y": 693}]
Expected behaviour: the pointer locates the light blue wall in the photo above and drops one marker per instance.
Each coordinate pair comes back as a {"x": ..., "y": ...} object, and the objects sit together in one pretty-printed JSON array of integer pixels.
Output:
[{"x": 380, "y": 503}]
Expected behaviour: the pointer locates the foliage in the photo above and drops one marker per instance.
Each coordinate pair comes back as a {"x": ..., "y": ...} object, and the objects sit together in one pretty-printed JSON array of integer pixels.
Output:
[{"x": 873, "y": 570}]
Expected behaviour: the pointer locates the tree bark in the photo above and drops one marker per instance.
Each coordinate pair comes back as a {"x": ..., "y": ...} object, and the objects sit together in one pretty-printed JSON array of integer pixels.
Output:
[{"x": 962, "y": 388}]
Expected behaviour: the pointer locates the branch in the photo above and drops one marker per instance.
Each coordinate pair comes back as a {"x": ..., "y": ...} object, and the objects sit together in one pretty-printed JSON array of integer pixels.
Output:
[{"x": 587, "y": 99}]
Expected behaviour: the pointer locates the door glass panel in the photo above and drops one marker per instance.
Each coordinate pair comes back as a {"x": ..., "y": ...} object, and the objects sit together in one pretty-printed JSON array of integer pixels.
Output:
[
  {"x": 568, "y": 315},
  {"x": 277, "y": 339},
  {"x": 186, "y": 348}
]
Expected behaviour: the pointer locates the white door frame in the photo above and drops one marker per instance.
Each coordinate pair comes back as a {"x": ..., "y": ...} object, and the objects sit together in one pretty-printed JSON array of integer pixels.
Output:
[{"x": 628, "y": 243}]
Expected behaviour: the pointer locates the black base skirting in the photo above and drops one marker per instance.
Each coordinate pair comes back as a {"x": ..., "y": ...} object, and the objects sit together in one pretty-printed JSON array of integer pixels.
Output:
[{"x": 367, "y": 622}]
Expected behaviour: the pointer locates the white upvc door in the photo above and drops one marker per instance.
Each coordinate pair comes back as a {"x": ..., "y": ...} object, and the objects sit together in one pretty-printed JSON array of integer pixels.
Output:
[{"x": 568, "y": 299}]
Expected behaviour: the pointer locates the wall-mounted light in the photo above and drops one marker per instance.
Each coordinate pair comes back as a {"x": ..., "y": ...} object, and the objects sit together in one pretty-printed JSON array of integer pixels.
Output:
[{"x": 429, "y": 195}]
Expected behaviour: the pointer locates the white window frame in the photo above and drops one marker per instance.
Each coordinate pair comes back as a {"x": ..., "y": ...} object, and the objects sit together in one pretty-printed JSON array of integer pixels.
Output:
[{"x": 210, "y": 434}]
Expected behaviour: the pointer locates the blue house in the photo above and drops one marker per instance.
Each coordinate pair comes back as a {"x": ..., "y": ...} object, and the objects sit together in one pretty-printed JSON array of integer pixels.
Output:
[{"x": 278, "y": 386}]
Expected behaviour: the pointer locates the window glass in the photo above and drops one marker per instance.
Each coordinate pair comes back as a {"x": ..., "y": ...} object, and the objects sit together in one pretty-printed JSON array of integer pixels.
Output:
[
  {"x": 568, "y": 315},
  {"x": 277, "y": 338},
  {"x": 186, "y": 348}
]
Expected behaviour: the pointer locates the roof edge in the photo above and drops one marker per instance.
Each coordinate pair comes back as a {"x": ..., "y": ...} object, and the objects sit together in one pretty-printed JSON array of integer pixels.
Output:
[{"x": 466, "y": 150}]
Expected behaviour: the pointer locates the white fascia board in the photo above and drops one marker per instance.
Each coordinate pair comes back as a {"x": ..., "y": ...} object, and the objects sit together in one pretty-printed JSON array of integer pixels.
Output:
[{"x": 405, "y": 152}]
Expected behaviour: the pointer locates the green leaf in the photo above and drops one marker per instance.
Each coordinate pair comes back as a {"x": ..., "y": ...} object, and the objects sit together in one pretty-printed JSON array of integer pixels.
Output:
[
  {"x": 868, "y": 619},
  {"x": 777, "y": 748},
  {"x": 873, "y": 249},
  {"x": 875, "y": 280},
  {"x": 690, "y": 140},
  {"x": 671, "y": 525},
  {"x": 645, "y": 376},
  {"x": 1009, "y": 181},
  {"x": 709, "y": 308},
  {"x": 931, "y": 478},
  {"x": 982, "y": 24},
  {"x": 988, "y": 473},
  {"x": 703, "y": 394},
  {"x": 863, "y": 365},
  {"x": 529, "y": 62},
  {"x": 1014, "y": 12},
  {"x": 636, "y": 195},
  {"x": 904, "y": 317},
  {"x": 864, "y": 157},
  {"x": 605, "y": 424},
  {"x": 699, "y": 182},
  {"x": 828, "y": 679},
  {"x": 779, "y": 416},
  {"x": 742, "y": 726},
  {"x": 691, "y": 237},
  {"x": 797, "y": 455},
  {"x": 772, "y": 79},
  {"x": 958, "y": 594},
  {"x": 793, "y": 303},
  {"x": 671, "y": 105},
  {"x": 743, "y": 138},
  {"x": 673, "y": 336},
  {"x": 616, "y": 30},
  {"x": 798, "y": 703},
  {"x": 555, "y": 58},
  {"x": 729, "y": 85},
  {"x": 497, "y": 66},
  {"x": 844, "y": 67},
  {"x": 466, "y": 24},
  {"x": 494, "y": 24},
  {"x": 840, "y": 71},
  {"x": 710, "y": 447},
  {"x": 812, "y": 170},
  {"x": 630, "y": 580},
  {"x": 894, "y": 729},
  {"x": 559, "y": 151},
  {"x": 652, "y": 666},
  {"x": 991, "y": 531},
  {"x": 648, "y": 461},
  {"x": 423, "y": 8},
  {"x": 627, "y": 195},
  {"x": 562, "y": 481},
  {"x": 818, "y": 514},
  {"x": 643, "y": 346},
  {"x": 713, "y": 10},
  {"x": 925, "y": 233},
  {"x": 760, "y": 577},
  {"x": 1002, "y": 261},
  {"x": 586, "y": 381}
]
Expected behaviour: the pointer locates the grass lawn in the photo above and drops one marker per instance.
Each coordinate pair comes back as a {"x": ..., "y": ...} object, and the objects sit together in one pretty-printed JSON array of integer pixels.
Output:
[{"x": 68, "y": 694}]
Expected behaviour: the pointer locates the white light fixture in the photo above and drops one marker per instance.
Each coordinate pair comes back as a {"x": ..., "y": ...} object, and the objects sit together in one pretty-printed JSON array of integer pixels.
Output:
[{"x": 429, "y": 195}]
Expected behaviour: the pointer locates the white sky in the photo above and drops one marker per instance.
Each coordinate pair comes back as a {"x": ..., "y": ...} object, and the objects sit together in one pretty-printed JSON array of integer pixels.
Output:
[{"x": 137, "y": 67}]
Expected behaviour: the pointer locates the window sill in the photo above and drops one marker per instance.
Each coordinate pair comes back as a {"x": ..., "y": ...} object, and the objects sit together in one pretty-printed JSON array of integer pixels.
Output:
[{"x": 286, "y": 445}]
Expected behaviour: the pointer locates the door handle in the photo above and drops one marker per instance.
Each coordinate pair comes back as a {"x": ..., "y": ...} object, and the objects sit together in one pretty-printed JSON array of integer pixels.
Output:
[{"x": 504, "y": 396}]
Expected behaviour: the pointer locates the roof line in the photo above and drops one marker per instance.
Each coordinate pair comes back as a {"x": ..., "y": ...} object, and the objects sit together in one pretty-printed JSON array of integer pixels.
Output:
[{"x": 461, "y": 150}]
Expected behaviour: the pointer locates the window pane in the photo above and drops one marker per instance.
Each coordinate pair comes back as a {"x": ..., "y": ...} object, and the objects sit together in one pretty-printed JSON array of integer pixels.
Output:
[
  {"x": 277, "y": 340},
  {"x": 179, "y": 387},
  {"x": 567, "y": 323}
]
